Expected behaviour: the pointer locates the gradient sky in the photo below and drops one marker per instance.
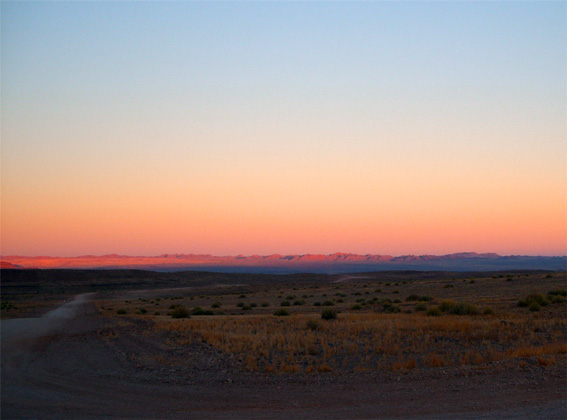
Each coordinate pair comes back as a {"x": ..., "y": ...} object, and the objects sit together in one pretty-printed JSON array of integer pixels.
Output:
[{"x": 144, "y": 128}]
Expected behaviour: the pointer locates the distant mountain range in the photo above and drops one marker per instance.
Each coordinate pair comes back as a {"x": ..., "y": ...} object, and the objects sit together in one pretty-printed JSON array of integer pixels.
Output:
[{"x": 306, "y": 263}]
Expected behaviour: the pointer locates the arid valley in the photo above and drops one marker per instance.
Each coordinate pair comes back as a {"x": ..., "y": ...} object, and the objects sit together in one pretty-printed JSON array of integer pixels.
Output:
[{"x": 135, "y": 344}]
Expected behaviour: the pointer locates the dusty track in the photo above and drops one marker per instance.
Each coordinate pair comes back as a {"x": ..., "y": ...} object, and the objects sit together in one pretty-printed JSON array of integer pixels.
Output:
[{"x": 57, "y": 366}]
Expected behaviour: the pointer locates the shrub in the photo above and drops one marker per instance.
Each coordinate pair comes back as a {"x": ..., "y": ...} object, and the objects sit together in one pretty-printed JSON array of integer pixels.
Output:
[
  {"x": 393, "y": 309},
  {"x": 488, "y": 311},
  {"x": 356, "y": 307},
  {"x": 198, "y": 311},
  {"x": 298, "y": 303},
  {"x": 253, "y": 305},
  {"x": 447, "y": 305},
  {"x": 535, "y": 307},
  {"x": 435, "y": 311},
  {"x": 556, "y": 299},
  {"x": 281, "y": 312},
  {"x": 328, "y": 314},
  {"x": 464, "y": 309},
  {"x": 216, "y": 305},
  {"x": 412, "y": 298},
  {"x": 142, "y": 311},
  {"x": 558, "y": 292},
  {"x": 208, "y": 312},
  {"x": 312, "y": 324},
  {"x": 316, "y": 303},
  {"x": 179, "y": 312},
  {"x": 328, "y": 303},
  {"x": 420, "y": 307},
  {"x": 425, "y": 298},
  {"x": 285, "y": 303},
  {"x": 533, "y": 298},
  {"x": 121, "y": 312},
  {"x": 240, "y": 304},
  {"x": 247, "y": 308},
  {"x": 264, "y": 304},
  {"x": 448, "y": 286}
]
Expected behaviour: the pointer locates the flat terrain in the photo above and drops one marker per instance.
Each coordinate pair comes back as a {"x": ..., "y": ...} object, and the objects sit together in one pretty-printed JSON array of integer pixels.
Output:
[{"x": 403, "y": 345}]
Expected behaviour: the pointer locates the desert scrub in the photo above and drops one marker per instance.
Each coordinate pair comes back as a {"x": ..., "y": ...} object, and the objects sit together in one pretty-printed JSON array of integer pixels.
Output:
[
  {"x": 533, "y": 298},
  {"x": 121, "y": 312},
  {"x": 281, "y": 312},
  {"x": 371, "y": 341},
  {"x": 435, "y": 311},
  {"x": 329, "y": 314},
  {"x": 179, "y": 312},
  {"x": 420, "y": 307}
]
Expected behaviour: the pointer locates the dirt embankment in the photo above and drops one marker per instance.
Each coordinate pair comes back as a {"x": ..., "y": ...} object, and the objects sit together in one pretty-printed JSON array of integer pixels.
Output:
[{"x": 74, "y": 363}]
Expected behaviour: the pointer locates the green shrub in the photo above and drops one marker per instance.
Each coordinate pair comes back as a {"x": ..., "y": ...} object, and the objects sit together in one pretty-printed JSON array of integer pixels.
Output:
[
  {"x": 179, "y": 312},
  {"x": 247, "y": 308},
  {"x": 198, "y": 311},
  {"x": 556, "y": 299},
  {"x": 240, "y": 304},
  {"x": 488, "y": 311},
  {"x": 464, "y": 309},
  {"x": 448, "y": 286},
  {"x": 558, "y": 292},
  {"x": 142, "y": 311},
  {"x": 298, "y": 303},
  {"x": 281, "y": 312},
  {"x": 328, "y": 314},
  {"x": 356, "y": 307},
  {"x": 285, "y": 303},
  {"x": 216, "y": 305},
  {"x": 121, "y": 312},
  {"x": 391, "y": 308},
  {"x": 316, "y": 303},
  {"x": 328, "y": 303},
  {"x": 425, "y": 298},
  {"x": 208, "y": 312},
  {"x": 535, "y": 307},
  {"x": 435, "y": 311},
  {"x": 534, "y": 298},
  {"x": 312, "y": 324},
  {"x": 253, "y": 305},
  {"x": 447, "y": 305},
  {"x": 412, "y": 298},
  {"x": 264, "y": 304},
  {"x": 420, "y": 307}
]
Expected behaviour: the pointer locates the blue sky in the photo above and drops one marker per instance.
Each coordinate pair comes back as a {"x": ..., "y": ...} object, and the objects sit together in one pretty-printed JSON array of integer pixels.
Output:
[{"x": 210, "y": 92}]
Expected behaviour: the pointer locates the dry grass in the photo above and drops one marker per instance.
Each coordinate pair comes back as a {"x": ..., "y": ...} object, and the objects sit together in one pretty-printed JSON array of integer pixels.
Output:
[{"x": 369, "y": 341}]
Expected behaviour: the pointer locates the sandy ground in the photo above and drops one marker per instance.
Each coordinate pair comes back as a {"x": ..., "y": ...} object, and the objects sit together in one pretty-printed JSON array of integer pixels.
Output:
[{"x": 60, "y": 366}]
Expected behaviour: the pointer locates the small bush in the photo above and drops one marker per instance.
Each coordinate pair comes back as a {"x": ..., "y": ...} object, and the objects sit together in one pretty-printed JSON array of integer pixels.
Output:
[
  {"x": 216, "y": 305},
  {"x": 435, "y": 311},
  {"x": 179, "y": 312},
  {"x": 316, "y": 303},
  {"x": 312, "y": 324},
  {"x": 121, "y": 312},
  {"x": 558, "y": 292},
  {"x": 393, "y": 309},
  {"x": 328, "y": 314},
  {"x": 247, "y": 308},
  {"x": 142, "y": 311},
  {"x": 281, "y": 312},
  {"x": 488, "y": 311},
  {"x": 285, "y": 303},
  {"x": 198, "y": 311},
  {"x": 556, "y": 299},
  {"x": 253, "y": 305},
  {"x": 208, "y": 312},
  {"x": 448, "y": 286},
  {"x": 412, "y": 298},
  {"x": 264, "y": 304},
  {"x": 298, "y": 303},
  {"x": 447, "y": 305},
  {"x": 420, "y": 307},
  {"x": 356, "y": 307},
  {"x": 534, "y": 307},
  {"x": 328, "y": 303},
  {"x": 425, "y": 299},
  {"x": 533, "y": 298},
  {"x": 464, "y": 309},
  {"x": 240, "y": 304}
]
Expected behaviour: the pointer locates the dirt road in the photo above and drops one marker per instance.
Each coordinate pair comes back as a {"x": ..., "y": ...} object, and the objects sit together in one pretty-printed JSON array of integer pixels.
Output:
[{"x": 59, "y": 367}]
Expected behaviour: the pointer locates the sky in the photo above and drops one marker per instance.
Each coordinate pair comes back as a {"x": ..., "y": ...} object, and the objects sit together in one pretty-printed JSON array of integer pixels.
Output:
[{"x": 143, "y": 128}]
